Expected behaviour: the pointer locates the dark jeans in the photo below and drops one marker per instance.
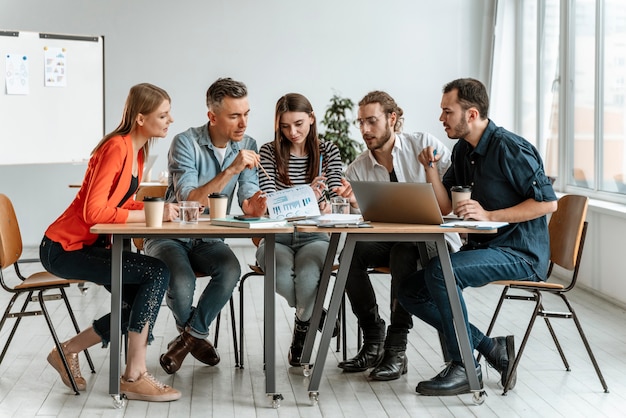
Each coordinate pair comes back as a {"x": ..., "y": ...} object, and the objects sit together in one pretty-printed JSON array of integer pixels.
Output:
[
  {"x": 144, "y": 282},
  {"x": 402, "y": 258},
  {"x": 424, "y": 293}
]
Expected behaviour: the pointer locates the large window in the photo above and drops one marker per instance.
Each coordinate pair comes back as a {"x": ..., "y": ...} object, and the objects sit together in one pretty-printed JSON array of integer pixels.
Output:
[{"x": 573, "y": 96}]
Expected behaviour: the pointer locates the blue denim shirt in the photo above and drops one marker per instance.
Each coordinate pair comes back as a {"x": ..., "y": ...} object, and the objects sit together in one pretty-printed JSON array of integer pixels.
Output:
[
  {"x": 505, "y": 170},
  {"x": 192, "y": 163}
]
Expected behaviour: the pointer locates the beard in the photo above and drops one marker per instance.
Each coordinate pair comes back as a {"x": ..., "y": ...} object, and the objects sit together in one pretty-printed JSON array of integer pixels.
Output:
[
  {"x": 460, "y": 130},
  {"x": 376, "y": 143}
]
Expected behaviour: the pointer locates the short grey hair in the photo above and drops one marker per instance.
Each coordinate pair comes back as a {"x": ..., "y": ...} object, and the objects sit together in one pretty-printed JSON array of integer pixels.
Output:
[{"x": 224, "y": 87}]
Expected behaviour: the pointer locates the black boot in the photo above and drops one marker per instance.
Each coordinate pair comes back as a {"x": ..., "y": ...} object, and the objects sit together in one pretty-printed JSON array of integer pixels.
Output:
[
  {"x": 394, "y": 362},
  {"x": 300, "y": 328},
  {"x": 368, "y": 356}
]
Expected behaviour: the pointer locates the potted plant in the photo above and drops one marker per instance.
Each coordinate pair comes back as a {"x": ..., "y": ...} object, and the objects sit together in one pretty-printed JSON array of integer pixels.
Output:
[{"x": 337, "y": 121}]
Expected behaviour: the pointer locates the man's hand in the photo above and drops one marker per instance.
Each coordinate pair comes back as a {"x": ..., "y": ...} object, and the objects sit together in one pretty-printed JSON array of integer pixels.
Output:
[
  {"x": 345, "y": 190},
  {"x": 428, "y": 158},
  {"x": 255, "y": 205},
  {"x": 245, "y": 159}
]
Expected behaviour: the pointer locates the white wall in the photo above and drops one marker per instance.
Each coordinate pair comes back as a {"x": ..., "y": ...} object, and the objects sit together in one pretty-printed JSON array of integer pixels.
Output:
[{"x": 408, "y": 48}]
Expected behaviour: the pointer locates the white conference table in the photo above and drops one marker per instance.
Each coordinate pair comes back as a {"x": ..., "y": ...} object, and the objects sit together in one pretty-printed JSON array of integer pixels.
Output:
[
  {"x": 203, "y": 229},
  {"x": 390, "y": 232}
]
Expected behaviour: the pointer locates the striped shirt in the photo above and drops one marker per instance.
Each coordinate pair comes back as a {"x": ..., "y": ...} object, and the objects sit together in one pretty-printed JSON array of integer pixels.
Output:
[{"x": 331, "y": 168}]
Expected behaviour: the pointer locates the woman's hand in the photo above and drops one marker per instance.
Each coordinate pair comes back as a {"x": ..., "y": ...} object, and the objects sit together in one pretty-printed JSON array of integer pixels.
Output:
[
  {"x": 320, "y": 189},
  {"x": 170, "y": 212}
]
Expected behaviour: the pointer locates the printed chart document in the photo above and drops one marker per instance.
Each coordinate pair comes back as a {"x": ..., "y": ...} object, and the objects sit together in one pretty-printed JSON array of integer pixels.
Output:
[
  {"x": 295, "y": 202},
  {"x": 474, "y": 224}
]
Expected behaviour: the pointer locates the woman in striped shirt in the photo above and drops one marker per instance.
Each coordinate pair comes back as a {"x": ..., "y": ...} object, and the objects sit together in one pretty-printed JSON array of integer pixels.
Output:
[{"x": 296, "y": 157}]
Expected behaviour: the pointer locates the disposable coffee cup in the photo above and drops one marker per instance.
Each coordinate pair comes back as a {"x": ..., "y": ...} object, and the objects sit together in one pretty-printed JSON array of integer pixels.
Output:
[
  {"x": 460, "y": 193},
  {"x": 217, "y": 205},
  {"x": 189, "y": 212},
  {"x": 340, "y": 205},
  {"x": 153, "y": 208}
]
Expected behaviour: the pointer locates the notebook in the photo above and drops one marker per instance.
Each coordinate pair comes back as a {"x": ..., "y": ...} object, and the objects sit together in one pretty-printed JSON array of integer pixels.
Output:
[{"x": 411, "y": 203}]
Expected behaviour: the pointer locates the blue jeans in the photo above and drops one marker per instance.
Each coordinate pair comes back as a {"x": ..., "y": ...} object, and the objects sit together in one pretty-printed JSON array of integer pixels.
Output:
[
  {"x": 424, "y": 294},
  {"x": 144, "y": 282},
  {"x": 209, "y": 257},
  {"x": 299, "y": 262}
]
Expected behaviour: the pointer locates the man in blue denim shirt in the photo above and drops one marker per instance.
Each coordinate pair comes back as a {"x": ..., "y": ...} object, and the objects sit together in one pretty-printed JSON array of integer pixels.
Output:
[
  {"x": 509, "y": 185},
  {"x": 213, "y": 158}
]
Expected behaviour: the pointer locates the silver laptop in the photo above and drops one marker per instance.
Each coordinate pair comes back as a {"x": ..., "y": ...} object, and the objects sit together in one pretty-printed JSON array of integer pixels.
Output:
[{"x": 411, "y": 203}]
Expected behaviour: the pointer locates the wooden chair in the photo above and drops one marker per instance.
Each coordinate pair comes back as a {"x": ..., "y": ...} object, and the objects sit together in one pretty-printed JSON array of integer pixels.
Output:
[
  {"x": 567, "y": 236},
  {"x": 158, "y": 191},
  {"x": 38, "y": 287}
]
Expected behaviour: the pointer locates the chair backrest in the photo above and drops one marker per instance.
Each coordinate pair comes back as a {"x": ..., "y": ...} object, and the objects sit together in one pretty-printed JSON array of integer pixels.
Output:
[
  {"x": 10, "y": 236},
  {"x": 567, "y": 230},
  {"x": 151, "y": 191}
]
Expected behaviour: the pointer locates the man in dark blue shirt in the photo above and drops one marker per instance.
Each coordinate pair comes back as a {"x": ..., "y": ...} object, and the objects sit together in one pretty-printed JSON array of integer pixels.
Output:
[{"x": 508, "y": 184}]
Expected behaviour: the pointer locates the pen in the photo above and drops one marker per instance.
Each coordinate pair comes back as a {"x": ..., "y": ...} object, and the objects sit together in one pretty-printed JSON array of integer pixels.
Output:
[
  {"x": 263, "y": 169},
  {"x": 430, "y": 164}
]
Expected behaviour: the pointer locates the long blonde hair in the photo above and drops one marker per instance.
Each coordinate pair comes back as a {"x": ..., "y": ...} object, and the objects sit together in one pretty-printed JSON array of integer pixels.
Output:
[{"x": 142, "y": 98}]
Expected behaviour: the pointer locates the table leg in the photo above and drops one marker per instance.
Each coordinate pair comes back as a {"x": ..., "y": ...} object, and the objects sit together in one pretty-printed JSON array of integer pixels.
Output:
[
  {"x": 116, "y": 318},
  {"x": 322, "y": 289},
  {"x": 269, "y": 324},
  {"x": 333, "y": 310},
  {"x": 462, "y": 335}
]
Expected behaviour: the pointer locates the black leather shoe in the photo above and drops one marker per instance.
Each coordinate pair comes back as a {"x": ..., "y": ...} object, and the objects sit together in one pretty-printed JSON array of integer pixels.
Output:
[
  {"x": 451, "y": 381},
  {"x": 368, "y": 356},
  {"x": 502, "y": 357},
  {"x": 392, "y": 366}
]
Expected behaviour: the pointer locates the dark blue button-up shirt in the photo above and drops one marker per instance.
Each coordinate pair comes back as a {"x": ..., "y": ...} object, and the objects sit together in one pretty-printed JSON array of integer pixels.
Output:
[{"x": 504, "y": 170}]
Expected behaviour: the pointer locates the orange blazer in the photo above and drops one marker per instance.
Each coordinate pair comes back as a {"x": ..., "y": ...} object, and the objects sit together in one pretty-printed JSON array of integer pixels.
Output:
[{"x": 106, "y": 182}]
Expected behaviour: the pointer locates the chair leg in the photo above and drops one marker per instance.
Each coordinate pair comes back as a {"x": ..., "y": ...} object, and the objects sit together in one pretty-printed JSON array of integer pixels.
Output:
[
  {"x": 70, "y": 311},
  {"x": 17, "y": 321},
  {"x": 520, "y": 351},
  {"x": 556, "y": 341},
  {"x": 57, "y": 342},
  {"x": 585, "y": 342},
  {"x": 342, "y": 312},
  {"x": 217, "y": 329},
  {"x": 241, "y": 316},
  {"x": 233, "y": 324}
]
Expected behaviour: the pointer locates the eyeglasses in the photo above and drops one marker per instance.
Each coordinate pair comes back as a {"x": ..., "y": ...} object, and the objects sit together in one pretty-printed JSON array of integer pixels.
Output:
[{"x": 371, "y": 121}]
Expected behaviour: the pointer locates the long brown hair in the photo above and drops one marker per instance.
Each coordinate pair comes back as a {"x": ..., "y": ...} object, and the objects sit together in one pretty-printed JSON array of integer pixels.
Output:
[
  {"x": 295, "y": 102},
  {"x": 142, "y": 98}
]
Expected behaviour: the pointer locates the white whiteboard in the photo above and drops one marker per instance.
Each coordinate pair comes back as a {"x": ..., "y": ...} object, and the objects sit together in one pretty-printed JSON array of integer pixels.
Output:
[{"x": 51, "y": 124}]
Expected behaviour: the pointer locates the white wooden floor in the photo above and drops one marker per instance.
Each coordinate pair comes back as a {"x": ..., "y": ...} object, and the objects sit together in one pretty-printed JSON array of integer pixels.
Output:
[{"x": 29, "y": 387}]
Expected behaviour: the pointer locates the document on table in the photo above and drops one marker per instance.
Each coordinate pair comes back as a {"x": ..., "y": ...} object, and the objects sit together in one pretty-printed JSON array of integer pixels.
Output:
[
  {"x": 295, "y": 202},
  {"x": 474, "y": 224}
]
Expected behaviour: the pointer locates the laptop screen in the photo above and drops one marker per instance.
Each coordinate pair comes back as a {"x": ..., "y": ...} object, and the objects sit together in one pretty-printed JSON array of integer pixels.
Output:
[{"x": 413, "y": 203}]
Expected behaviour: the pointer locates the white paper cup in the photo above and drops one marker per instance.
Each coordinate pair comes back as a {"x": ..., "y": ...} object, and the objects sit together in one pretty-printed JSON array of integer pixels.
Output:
[
  {"x": 189, "y": 212},
  {"x": 153, "y": 209},
  {"x": 460, "y": 193},
  {"x": 217, "y": 205},
  {"x": 340, "y": 205}
]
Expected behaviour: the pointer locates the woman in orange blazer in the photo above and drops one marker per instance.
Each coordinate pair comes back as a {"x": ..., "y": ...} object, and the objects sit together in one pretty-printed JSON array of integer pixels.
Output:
[{"x": 71, "y": 251}]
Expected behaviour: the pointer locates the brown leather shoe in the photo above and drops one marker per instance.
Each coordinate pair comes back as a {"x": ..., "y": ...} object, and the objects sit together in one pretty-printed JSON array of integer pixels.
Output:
[
  {"x": 177, "y": 350},
  {"x": 184, "y": 344},
  {"x": 202, "y": 349}
]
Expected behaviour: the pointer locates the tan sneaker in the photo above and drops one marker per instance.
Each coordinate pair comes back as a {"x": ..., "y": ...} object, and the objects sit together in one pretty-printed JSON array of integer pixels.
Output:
[
  {"x": 72, "y": 360},
  {"x": 147, "y": 388}
]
